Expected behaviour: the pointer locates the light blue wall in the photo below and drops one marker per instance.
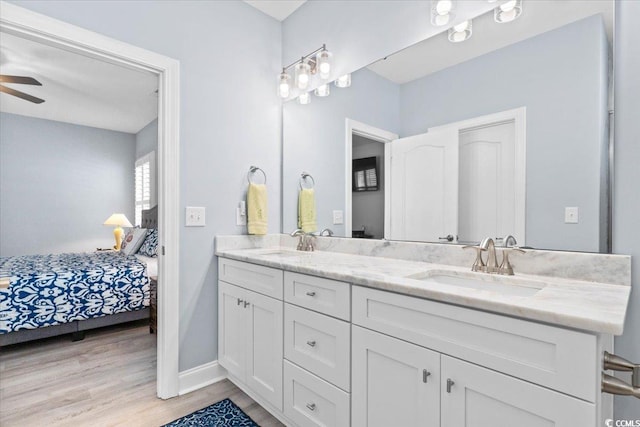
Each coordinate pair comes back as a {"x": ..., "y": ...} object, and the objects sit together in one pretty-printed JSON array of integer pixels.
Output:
[
  {"x": 59, "y": 182},
  {"x": 229, "y": 55},
  {"x": 314, "y": 138},
  {"x": 561, "y": 78},
  {"x": 626, "y": 207}
]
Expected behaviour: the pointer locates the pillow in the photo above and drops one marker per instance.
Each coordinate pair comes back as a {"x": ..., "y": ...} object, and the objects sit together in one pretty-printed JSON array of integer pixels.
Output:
[
  {"x": 150, "y": 245},
  {"x": 133, "y": 240}
]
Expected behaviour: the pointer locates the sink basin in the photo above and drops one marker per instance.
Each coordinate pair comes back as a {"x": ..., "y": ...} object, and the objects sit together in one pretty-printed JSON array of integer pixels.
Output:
[
  {"x": 282, "y": 253},
  {"x": 502, "y": 285}
]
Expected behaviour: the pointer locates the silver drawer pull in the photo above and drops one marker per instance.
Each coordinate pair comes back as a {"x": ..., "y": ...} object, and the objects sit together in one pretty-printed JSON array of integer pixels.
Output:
[
  {"x": 240, "y": 301},
  {"x": 311, "y": 406},
  {"x": 450, "y": 384},
  {"x": 246, "y": 304},
  {"x": 311, "y": 343},
  {"x": 425, "y": 375},
  {"x": 311, "y": 294}
]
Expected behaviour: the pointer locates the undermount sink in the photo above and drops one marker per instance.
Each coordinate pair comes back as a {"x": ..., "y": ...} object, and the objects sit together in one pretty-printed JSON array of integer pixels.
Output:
[
  {"x": 282, "y": 253},
  {"x": 502, "y": 285}
]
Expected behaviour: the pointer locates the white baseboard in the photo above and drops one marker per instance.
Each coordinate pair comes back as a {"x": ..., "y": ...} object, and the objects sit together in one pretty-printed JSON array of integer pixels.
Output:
[{"x": 200, "y": 376}]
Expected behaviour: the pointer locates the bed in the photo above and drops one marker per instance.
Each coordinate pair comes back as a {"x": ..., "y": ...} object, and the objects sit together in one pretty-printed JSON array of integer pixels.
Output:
[{"x": 50, "y": 295}]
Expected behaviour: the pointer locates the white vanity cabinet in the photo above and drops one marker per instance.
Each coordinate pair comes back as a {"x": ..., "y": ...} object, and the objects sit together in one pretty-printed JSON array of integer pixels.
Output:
[
  {"x": 250, "y": 328},
  {"x": 387, "y": 372}
]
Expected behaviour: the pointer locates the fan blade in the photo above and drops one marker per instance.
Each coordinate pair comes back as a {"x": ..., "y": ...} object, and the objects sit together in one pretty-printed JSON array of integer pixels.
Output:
[
  {"x": 22, "y": 95},
  {"x": 19, "y": 80}
]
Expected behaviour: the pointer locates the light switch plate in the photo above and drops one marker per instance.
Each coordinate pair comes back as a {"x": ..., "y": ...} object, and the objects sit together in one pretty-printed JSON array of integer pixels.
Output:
[
  {"x": 338, "y": 217},
  {"x": 241, "y": 218},
  {"x": 194, "y": 217},
  {"x": 571, "y": 215}
]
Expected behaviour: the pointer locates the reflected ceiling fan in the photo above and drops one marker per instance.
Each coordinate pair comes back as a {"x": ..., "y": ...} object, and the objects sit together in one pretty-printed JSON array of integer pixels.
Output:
[{"x": 23, "y": 81}]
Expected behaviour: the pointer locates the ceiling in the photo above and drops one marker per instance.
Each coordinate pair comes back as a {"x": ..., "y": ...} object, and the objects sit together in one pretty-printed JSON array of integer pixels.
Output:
[
  {"x": 437, "y": 53},
  {"x": 279, "y": 9},
  {"x": 77, "y": 89}
]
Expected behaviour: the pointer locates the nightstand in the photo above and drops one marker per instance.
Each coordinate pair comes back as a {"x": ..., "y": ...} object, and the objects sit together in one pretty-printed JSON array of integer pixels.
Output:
[{"x": 153, "y": 304}]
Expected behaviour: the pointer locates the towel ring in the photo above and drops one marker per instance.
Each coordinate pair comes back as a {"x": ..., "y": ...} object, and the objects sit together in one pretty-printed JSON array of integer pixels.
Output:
[
  {"x": 254, "y": 169},
  {"x": 303, "y": 177}
]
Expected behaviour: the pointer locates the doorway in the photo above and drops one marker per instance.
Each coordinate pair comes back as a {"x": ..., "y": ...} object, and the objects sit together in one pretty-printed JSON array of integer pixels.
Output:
[{"x": 33, "y": 26}]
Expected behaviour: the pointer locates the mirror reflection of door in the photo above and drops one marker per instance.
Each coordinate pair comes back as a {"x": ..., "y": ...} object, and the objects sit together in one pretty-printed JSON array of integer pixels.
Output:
[
  {"x": 424, "y": 185},
  {"x": 460, "y": 182}
]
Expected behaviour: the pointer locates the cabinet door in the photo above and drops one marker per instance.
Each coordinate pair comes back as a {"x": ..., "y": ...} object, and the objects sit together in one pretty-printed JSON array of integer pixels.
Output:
[
  {"x": 480, "y": 397},
  {"x": 264, "y": 347},
  {"x": 232, "y": 329},
  {"x": 394, "y": 383}
]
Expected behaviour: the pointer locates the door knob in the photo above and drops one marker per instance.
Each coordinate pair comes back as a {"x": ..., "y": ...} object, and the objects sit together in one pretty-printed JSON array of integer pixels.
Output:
[{"x": 448, "y": 238}]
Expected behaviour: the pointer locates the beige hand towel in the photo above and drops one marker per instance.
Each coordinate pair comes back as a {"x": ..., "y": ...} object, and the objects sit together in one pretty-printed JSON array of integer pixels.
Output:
[
  {"x": 257, "y": 209},
  {"x": 307, "y": 210}
]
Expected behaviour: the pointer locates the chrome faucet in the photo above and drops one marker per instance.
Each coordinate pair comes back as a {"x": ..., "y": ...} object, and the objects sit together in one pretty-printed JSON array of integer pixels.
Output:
[
  {"x": 491, "y": 266},
  {"x": 305, "y": 241},
  {"x": 492, "y": 261},
  {"x": 326, "y": 232},
  {"x": 509, "y": 241}
]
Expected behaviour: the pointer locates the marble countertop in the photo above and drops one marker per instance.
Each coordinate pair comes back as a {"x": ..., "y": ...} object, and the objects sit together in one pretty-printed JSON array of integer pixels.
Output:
[{"x": 590, "y": 306}]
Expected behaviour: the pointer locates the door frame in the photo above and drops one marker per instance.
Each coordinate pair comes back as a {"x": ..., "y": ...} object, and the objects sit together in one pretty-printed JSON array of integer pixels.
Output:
[
  {"x": 519, "y": 116},
  {"x": 43, "y": 29},
  {"x": 376, "y": 134}
]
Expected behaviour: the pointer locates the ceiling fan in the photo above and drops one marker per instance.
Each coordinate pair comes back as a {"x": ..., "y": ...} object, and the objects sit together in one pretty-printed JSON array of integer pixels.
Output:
[{"x": 20, "y": 80}]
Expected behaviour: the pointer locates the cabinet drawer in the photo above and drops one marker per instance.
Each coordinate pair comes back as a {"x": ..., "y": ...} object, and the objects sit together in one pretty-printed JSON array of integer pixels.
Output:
[
  {"x": 318, "y": 343},
  {"x": 264, "y": 280},
  {"x": 551, "y": 356},
  {"x": 323, "y": 295},
  {"x": 310, "y": 401}
]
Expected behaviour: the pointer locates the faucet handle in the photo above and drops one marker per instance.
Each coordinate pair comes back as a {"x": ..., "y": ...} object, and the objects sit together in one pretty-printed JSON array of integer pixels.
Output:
[
  {"x": 478, "y": 264},
  {"x": 506, "y": 267}
]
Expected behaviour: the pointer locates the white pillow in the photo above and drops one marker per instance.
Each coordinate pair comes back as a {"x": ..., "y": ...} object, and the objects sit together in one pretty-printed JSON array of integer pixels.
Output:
[{"x": 133, "y": 240}]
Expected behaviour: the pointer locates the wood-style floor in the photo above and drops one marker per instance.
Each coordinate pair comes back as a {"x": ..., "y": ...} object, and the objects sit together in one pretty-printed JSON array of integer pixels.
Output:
[{"x": 108, "y": 379}]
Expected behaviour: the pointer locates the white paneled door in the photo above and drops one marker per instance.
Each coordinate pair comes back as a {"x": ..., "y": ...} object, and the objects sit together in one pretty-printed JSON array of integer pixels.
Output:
[{"x": 424, "y": 185}]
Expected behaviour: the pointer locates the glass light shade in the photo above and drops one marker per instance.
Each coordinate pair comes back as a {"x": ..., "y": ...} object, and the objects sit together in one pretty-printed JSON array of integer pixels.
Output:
[
  {"x": 508, "y": 11},
  {"x": 441, "y": 12},
  {"x": 303, "y": 75},
  {"x": 323, "y": 64},
  {"x": 304, "y": 98},
  {"x": 322, "y": 90},
  {"x": 461, "y": 32},
  {"x": 284, "y": 85},
  {"x": 343, "y": 81}
]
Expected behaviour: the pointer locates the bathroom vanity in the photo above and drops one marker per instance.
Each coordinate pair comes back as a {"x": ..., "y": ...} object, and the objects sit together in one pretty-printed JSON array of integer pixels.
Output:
[{"x": 336, "y": 338}]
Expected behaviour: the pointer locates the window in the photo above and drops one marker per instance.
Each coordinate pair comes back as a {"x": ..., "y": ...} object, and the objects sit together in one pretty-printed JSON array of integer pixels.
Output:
[
  {"x": 145, "y": 190},
  {"x": 365, "y": 174}
]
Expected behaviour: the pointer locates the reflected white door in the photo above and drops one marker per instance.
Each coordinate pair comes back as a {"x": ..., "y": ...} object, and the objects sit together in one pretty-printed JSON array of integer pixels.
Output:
[
  {"x": 424, "y": 185},
  {"x": 487, "y": 182}
]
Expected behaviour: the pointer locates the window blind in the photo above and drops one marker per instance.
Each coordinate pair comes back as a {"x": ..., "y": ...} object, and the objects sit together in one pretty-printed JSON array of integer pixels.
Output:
[{"x": 144, "y": 185}]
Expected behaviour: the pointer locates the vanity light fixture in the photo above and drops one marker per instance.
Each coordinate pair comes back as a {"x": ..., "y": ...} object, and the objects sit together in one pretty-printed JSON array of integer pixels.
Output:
[
  {"x": 304, "y": 98},
  {"x": 284, "y": 84},
  {"x": 343, "y": 81},
  {"x": 461, "y": 32},
  {"x": 508, "y": 11},
  {"x": 322, "y": 91},
  {"x": 441, "y": 12},
  {"x": 303, "y": 75},
  {"x": 317, "y": 62}
]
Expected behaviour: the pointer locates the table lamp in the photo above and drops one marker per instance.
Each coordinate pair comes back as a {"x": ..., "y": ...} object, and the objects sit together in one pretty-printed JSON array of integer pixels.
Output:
[{"x": 119, "y": 220}]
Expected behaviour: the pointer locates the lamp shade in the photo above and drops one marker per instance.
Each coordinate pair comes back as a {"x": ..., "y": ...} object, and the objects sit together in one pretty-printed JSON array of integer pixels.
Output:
[{"x": 118, "y": 219}]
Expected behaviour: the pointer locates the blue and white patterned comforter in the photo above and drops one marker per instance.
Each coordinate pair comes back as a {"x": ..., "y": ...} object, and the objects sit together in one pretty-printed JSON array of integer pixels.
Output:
[{"x": 49, "y": 290}]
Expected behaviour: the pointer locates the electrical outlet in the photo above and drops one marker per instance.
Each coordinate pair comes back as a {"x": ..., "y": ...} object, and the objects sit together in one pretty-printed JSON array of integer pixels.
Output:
[
  {"x": 240, "y": 218},
  {"x": 194, "y": 217},
  {"x": 571, "y": 215},
  {"x": 338, "y": 217}
]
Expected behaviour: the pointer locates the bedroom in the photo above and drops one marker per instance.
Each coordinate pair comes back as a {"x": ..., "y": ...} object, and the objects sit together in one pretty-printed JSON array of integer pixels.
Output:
[{"x": 229, "y": 56}]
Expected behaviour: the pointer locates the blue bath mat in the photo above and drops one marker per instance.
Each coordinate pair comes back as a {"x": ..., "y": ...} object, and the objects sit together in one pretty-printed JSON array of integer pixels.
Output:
[{"x": 222, "y": 414}]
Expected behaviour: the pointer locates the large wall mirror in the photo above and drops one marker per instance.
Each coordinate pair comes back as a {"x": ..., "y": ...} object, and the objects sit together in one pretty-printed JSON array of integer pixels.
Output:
[{"x": 506, "y": 133}]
